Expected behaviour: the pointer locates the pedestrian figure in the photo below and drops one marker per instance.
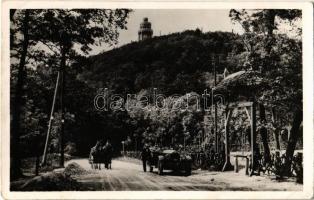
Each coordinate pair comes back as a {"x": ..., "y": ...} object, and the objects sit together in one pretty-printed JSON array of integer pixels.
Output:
[
  {"x": 94, "y": 156},
  {"x": 108, "y": 154},
  {"x": 145, "y": 156}
]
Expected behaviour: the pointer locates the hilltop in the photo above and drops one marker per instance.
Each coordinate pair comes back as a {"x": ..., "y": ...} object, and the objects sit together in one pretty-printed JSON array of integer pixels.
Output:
[{"x": 175, "y": 63}]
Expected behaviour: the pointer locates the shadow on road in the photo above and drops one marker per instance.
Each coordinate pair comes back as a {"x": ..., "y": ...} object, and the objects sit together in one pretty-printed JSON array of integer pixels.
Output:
[{"x": 171, "y": 173}]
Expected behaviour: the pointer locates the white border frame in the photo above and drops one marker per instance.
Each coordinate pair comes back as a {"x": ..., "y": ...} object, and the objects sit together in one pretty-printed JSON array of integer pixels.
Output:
[{"x": 307, "y": 22}]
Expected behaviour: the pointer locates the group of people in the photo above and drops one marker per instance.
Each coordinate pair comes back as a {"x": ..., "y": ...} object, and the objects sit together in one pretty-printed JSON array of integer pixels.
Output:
[{"x": 101, "y": 154}]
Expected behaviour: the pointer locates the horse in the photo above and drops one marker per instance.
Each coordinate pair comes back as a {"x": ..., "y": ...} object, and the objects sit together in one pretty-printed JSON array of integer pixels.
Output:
[
  {"x": 107, "y": 155},
  {"x": 95, "y": 158}
]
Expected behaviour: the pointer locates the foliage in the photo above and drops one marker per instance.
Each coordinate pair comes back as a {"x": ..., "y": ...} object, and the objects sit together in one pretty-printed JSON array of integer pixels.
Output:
[
  {"x": 175, "y": 64},
  {"x": 70, "y": 148},
  {"x": 53, "y": 33},
  {"x": 264, "y": 21},
  {"x": 277, "y": 56},
  {"x": 279, "y": 59},
  {"x": 179, "y": 63}
]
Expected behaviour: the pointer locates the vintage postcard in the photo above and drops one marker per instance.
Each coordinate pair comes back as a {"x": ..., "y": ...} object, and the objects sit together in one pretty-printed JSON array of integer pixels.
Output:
[{"x": 156, "y": 100}]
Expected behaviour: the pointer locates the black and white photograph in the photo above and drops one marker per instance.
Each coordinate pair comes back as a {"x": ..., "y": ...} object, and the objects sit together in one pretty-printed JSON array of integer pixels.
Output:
[{"x": 156, "y": 99}]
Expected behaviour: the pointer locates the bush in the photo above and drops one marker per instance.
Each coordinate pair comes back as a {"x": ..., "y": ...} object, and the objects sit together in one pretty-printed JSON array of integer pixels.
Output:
[
  {"x": 70, "y": 148},
  {"x": 50, "y": 181},
  {"x": 297, "y": 167},
  {"x": 74, "y": 169},
  {"x": 277, "y": 167}
]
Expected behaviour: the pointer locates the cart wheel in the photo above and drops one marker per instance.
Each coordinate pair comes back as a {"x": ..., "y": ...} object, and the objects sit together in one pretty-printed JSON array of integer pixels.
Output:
[{"x": 151, "y": 168}]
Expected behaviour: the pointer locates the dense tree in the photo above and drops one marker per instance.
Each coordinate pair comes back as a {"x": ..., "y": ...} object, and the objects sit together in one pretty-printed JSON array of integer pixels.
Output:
[
  {"x": 60, "y": 31},
  {"x": 176, "y": 120},
  {"x": 21, "y": 74},
  {"x": 279, "y": 59},
  {"x": 65, "y": 28}
]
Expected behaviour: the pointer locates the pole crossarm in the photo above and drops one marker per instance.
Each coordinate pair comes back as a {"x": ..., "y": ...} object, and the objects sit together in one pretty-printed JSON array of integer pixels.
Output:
[{"x": 240, "y": 105}]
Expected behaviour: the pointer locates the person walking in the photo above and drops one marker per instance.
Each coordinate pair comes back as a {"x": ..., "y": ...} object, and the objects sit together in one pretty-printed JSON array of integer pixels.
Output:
[
  {"x": 108, "y": 154},
  {"x": 94, "y": 156},
  {"x": 145, "y": 156}
]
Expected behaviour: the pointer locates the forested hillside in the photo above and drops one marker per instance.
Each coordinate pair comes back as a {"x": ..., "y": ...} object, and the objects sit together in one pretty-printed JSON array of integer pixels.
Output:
[
  {"x": 176, "y": 63},
  {"x": 183, "y": 63},
  {"x": 179, "y": 63}
]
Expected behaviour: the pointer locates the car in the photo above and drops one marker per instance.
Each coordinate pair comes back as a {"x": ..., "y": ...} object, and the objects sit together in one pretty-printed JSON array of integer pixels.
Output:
[{"x": 169, "y": 159}]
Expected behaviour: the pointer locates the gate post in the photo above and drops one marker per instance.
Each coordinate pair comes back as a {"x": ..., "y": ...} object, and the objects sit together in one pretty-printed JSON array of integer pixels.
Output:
[
  {"x": 227, "y": 165},
  {"x": 253, "y": 138}
]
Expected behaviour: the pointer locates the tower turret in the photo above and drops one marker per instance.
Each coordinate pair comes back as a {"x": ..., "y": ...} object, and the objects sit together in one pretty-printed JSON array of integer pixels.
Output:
[{"x": 145, "y": 31}]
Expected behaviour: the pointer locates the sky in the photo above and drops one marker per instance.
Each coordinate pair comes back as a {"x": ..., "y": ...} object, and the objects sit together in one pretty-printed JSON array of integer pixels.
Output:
[{"x": 170, "y": 21}]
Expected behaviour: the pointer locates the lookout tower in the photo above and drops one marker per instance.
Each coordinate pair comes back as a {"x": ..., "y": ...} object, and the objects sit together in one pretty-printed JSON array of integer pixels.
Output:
[{"x": 145, "y": 31}]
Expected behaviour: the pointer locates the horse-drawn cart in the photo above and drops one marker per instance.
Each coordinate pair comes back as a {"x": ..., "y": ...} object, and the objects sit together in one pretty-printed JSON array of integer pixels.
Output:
[{"x": 100, "y": 156}]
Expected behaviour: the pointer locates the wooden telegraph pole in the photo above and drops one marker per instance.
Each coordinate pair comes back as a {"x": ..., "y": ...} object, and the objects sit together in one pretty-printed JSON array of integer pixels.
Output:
[
  {"x": 123, "y": 148},
  {"x": 253, "y": 137},
  {"x": 44, "y": 160}
]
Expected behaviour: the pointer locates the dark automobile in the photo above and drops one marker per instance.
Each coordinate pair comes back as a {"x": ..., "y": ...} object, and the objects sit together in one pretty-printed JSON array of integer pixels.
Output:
[{"x": 170, "y": 160}]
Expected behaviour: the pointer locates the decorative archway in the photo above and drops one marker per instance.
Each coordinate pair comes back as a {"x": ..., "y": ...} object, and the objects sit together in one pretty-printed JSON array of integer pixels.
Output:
[
  {"x": 250, "y": 108},
  {"x": 239, "y": 89}
]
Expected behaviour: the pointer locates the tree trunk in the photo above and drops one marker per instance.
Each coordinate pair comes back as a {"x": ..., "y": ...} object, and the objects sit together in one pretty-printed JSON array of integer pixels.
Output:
[
  {"x": 276, "y": 131},
  {"x": 15, "y": 170},
  {"x": 276, "y": 135},
  {"x": 263, "y": 132},
  {"x": 62, "y": 72},
  {"x": 37, "y": 164},
  {"x": 12, "y": 12},
  {"x": 294, "y": 136},
  {"x": 270, "y": 16},
  {"x": 270, "y": 21}
]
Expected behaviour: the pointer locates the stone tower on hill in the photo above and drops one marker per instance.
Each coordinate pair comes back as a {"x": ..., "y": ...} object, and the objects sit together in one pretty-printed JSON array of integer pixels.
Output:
[{"x": 145, "y": 31}]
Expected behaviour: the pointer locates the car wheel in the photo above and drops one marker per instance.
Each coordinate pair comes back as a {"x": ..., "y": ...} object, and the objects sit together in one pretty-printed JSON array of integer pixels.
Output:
[{"x": 188, "y": 171}]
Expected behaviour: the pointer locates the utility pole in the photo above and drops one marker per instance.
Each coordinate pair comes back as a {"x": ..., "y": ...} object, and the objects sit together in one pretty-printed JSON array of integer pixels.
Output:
[
  {"x": 50, "y": 120},
  {"x": 123, "y": 148}
]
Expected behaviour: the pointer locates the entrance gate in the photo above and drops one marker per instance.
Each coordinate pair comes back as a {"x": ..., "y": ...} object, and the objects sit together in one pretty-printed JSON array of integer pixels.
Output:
[{"x": 250, "y": 108}]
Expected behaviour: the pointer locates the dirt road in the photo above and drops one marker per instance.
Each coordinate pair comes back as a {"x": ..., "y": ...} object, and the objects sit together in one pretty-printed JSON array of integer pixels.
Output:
[
  {"x": 129, "y": 175},
  {"x": 126, "y": 175}
]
